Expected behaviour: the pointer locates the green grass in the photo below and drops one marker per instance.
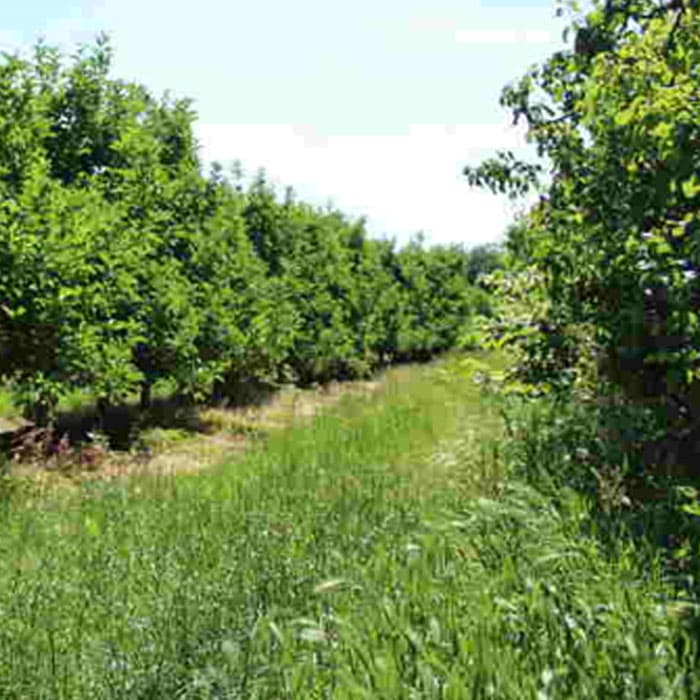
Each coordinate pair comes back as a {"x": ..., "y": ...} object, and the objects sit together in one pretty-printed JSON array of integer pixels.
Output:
[
  {"x": 77, "y": 400},
  {"x": 8, "y": 409},
  {"x": 72, "y": 401},
  {"x": 371, "y": 552}
]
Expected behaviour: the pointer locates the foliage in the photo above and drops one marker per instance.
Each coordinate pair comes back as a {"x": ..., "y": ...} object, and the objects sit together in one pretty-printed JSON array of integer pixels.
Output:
[
  {"x": 483, "y": 260},
  {"x": 122, "y": 265},
  {"x": 614, "y": 236},
  {"x": 605, "y": 265}
]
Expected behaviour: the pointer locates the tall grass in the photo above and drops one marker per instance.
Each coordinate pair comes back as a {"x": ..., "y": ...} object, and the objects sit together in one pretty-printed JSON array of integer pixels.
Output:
[
  {"x": 372, "y": 552},
  {"x": 7, "y": 405}
]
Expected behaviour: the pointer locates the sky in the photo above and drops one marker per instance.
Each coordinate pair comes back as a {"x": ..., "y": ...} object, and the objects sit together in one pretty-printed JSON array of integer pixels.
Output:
[{"x": 374, "y": 106}]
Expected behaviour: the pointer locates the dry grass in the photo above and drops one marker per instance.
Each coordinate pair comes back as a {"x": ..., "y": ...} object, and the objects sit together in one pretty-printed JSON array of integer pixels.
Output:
[
  {"x": 226, "y": 432},
  {"x": 287, "y": 405}
]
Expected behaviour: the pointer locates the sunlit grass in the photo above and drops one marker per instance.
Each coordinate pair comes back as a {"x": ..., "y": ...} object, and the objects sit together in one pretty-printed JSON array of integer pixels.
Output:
[
  {"x": 8, "y": 408},
  {"x": 371, "y": 551}
]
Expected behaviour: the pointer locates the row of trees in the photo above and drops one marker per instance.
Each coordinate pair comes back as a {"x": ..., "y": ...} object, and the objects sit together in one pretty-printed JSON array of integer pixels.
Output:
[{"x": 122, "y": 264}]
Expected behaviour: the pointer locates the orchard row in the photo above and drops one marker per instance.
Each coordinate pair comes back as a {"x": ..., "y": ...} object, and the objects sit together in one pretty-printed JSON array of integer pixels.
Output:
[{"x": 122, "y": 264}]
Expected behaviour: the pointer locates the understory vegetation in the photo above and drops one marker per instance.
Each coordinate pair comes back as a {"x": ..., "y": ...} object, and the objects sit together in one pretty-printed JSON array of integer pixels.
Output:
[{"x": 383, "y": 550}]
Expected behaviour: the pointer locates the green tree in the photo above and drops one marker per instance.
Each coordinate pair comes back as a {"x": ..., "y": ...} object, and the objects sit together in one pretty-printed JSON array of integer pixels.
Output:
[
  {"x": 615, "y": 231},
  {"x": 121, "y": 264},
  {"x": 483, "y": 260}
]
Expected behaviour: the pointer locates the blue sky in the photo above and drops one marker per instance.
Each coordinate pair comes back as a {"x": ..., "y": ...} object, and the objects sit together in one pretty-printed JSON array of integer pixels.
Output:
[{"x": 373, "y": 105}]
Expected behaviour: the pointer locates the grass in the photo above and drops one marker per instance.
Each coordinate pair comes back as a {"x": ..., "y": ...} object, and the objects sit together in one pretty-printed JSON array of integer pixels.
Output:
[
  {"x": 371, "y": 551},
  {"x": 7, "y": 404},
  {"x": 77, "y": 400}
]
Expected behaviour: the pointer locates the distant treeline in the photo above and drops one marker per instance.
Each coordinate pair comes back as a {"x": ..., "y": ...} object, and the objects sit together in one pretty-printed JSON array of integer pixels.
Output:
[{"x": 121, "y": 263}]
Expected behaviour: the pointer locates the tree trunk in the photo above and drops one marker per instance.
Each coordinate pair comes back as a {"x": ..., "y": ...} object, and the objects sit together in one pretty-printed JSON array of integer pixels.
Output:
[{"x": 146, "y": 395}]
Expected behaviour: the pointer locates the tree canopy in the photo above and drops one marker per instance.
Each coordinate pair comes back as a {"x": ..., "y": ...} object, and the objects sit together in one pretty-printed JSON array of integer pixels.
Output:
[
  {"x": 614, "y": 236},
  {"x": 122, "y": 264}
]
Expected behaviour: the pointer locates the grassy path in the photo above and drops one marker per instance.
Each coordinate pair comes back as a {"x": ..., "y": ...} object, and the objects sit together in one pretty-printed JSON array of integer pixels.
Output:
[{"x": 349, "y": 557}]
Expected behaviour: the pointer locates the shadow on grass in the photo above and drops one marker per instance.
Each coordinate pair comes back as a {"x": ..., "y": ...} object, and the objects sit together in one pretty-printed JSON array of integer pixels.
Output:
[{"x": 124, "y": 423}]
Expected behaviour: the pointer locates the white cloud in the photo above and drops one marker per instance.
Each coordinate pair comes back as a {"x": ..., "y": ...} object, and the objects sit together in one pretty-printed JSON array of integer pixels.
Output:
[
  {"x": 503, "y": 36},
  {"x": 403, "y": 183}
]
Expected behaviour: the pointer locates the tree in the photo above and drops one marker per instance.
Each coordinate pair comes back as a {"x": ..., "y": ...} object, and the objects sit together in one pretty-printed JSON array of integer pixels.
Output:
[
  {"x": 483, "y": 260},
  {"x": 615, "y": 232},
  {"x": 121, "y": 264}
]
